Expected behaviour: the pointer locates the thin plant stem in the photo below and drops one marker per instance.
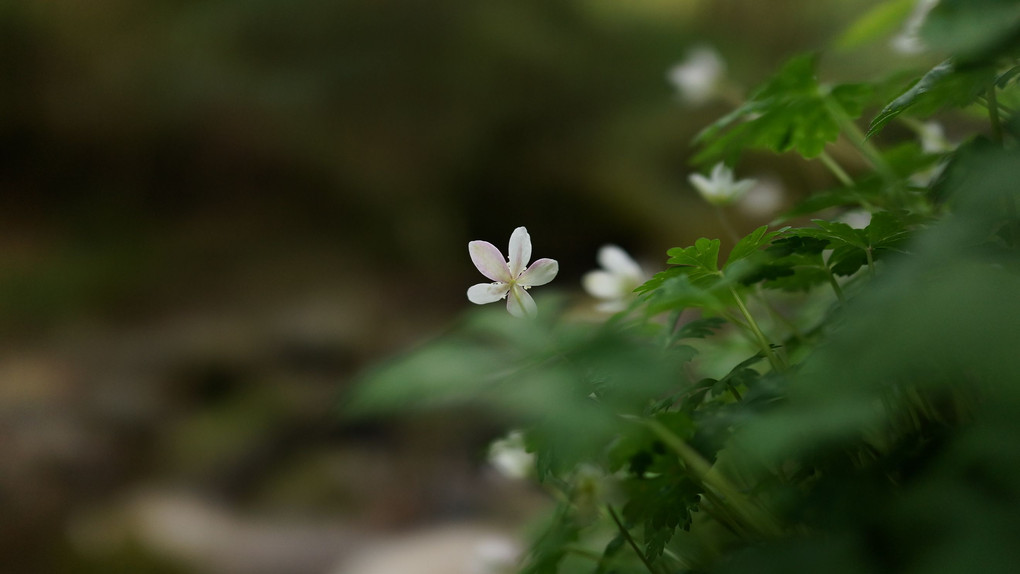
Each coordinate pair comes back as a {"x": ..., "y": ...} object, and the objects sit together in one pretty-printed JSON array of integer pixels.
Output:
[
  {"x": 870, "y": 152},
  {"x": 871, "y": 262},
  {"x": 725, "y": 222},
  {"x": 749, "y": 513},
  {"x": 630, "y": 540},
  {"x": 836, "y": 169},
  {"x": 835, "y": 286},
  {"x": 763, "y": 342},
  {"x": 779, "y": 316}
]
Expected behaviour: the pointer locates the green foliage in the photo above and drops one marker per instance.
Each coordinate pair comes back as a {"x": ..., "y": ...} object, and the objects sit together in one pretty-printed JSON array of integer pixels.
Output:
[
  {"x": 947, "y": 84},
  {"x": 791, "y": 111},
  {"x": 846, "y": 395}
]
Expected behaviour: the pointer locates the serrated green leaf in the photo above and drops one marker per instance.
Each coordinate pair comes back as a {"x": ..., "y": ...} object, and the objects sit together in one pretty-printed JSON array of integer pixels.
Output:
[
  {"x": 789, "y": 112},
  {"x": 842, "y": 233},
  {"x": 751, "y": 243},
  {"x": 704, "y": 254},
  {"x": 944, "y": 85},
  {"x": 885, "y": 227}
]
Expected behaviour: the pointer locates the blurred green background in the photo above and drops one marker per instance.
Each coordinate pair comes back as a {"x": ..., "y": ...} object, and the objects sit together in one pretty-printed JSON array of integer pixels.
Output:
[{"x": 214, "y": 213}]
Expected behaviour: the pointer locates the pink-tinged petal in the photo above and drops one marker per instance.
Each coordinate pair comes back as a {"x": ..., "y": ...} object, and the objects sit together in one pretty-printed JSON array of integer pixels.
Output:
[
  {"x": 603, "y": 285},
  {"x": 483, "y": 293},
  {"x": 489, "y": 261},
  {"x": 520, "y": 250},
  {"x": 520, "y": 304},
  {"x": 616, "y": 260},
  {"x": 540, "y": 273}
]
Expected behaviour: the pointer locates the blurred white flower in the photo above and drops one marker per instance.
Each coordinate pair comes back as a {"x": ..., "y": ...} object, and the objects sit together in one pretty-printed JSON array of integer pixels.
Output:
[
  {"x": 933, "y": 138},
  {"x": 494, "y": 556},
  {"x": 908, "y": 41},
  {"x": 720, "y": 188},
  {"x": 510, "y": 276},
  {"x": 933, "y": 141},
  {"x": 698, "y": 77},
  {"x": 508, "y": 456},
  {"x": 616, "y": 281},
  {"x": 764, "y": 199}
]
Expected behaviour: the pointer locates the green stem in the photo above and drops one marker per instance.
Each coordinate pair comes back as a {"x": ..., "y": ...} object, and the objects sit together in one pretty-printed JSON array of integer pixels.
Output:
[
  {"x": 870, "y": 152},
  {"x": 748, "y": 513},
  {"x": 993, "y": 114},
  {"x": 871, "y": 261},
  {"x": 779, "y": 316},
  {"x": 836, "y": 169},
  {"x": 763, "y": 342},
  {"x": 835, "y": 286},
  {"x": 630, "y": 540},
  {"x": 726, "y": 224}
]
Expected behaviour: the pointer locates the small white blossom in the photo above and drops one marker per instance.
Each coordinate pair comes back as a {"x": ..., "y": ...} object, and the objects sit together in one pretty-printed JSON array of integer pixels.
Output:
[
  {"x": 699, "y": 76},
  {"x": 909, "y": 41},
  {"x": 494, "y": 555},
  {"x": 720, "y": 188},
  {"x": 510, "y": 278},
  {"x": 933, "y": 138},
  {"x": 616, "y": 281},
  {"x": 508, "y": 456}
]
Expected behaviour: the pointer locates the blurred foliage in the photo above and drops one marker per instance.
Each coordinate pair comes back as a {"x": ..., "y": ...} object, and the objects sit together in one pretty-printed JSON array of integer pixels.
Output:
[{"x": 869, "y": 425}]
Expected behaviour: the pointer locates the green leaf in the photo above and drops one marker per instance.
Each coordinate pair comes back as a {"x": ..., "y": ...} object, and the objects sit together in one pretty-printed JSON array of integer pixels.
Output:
[
  {"x": 841, "y": 233},
  {"x": 974, "y": 30},
  {"x": 791, "y": 111},
  {"x": 944, "y": 85},
  {"x": 704, "y": 255},
  {"x": 751, "y": 243}
]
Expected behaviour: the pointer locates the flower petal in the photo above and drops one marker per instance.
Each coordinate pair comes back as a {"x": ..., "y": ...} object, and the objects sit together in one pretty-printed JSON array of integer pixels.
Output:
[
  {"x": 541, "y": 272},
  {"x": 489, "y": 261},
  {"x": 520, "y": 251},
  {"x": 520, "y": 303},
  {"x": 616, "y": 260},
  {"x": 483, "y": 293},
  {"x": 704, "y": 186},
  {"x": 603, "y": 285}
]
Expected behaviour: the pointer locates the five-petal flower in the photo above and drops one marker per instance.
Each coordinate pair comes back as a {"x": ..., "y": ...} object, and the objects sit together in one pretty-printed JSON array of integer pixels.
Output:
[
  {"x": 720, "y": 188},
  {"x": 511, "y": 279},
  {"x": 616, "y": 281}
]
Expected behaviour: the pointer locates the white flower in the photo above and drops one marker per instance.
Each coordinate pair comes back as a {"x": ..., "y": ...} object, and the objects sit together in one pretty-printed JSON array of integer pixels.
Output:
[
  {"x": 933, "y": 138},
  {"x": 720, "y": 189},
  {"x": 909, "y": 41},
  {"x": 698, "y": 77},
  {"x": 616, "y": 281},
  {"x": 508, "y": 456},
  {"x": 494, "y": 555},
  {"x": 510, "y": 276}
]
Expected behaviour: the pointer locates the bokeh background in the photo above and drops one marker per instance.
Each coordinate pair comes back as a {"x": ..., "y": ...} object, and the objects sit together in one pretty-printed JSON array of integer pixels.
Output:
[{"x": 215, "y": 213}]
